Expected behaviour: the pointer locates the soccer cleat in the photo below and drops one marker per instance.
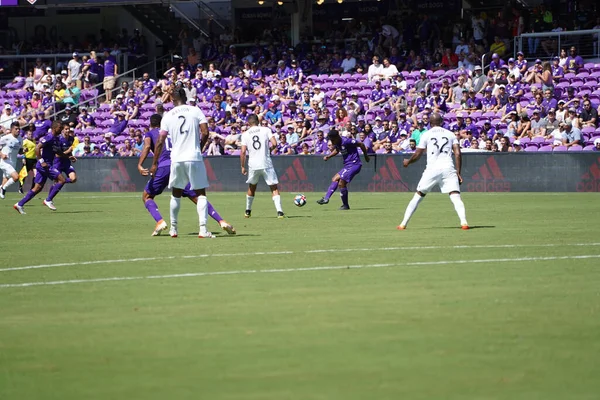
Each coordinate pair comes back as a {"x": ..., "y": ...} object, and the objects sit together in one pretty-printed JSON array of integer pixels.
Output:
[
  {"x": 19, "y": 209},
  {"x": 322, "y": 201},
  {"x": 280, "y": 215},
  {"x": 20, "y": 189},
  {"x": 248, "y": 214},
  {"x": 2, "y": 193},
  {"x": 401, "y": 227},
  {"x": 206, "y": 235},
  {"x": 344, "y": 207},
  {"x": 160, "y": 226},
  {"x": 227, "y": 227},
  {"x": 173, "y": 232},
  {"x": 464, "y": 227},
  {"x": 50, "y": 205}
]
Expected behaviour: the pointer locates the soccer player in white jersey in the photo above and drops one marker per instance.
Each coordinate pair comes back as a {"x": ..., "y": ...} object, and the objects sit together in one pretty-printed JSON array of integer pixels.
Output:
[
  {"x": 259, "y": 141},
  {"x": 187, "y": 128},
  {"x": 10, "y": 144},
  {"x": 440, "y": 144}
]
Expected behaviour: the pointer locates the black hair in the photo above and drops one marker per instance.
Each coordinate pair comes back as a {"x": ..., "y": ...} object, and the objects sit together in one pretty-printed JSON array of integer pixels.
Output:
[{"x": 155, "y": 120}]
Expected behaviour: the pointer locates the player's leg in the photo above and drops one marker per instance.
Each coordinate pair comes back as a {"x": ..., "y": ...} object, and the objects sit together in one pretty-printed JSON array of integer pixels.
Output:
[
  {"x": 427, "y": 182},
  {"x": 346, "y": 176},
  {"x": 155, "y": 186},
  {"x": 331, "y": 190},
  {"x": 13, "y": 177},
  {"x": 59, "y": 182},
  {"x": 177, "y": 181},
  {"x": 40, "y": 181},
  {"x": 344, "y": 195},
  {"x": 451, "y": 186},
  {"x": 270, "y": 177},
  {"x": 252, "y": 181},
  {"x": 198, "y": 183},
  {"x": 212, "y": 212},
  {"x": 174, "y": 206}
]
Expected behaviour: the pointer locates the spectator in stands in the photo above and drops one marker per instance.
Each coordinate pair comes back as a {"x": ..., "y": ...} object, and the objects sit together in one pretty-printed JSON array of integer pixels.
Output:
[
  {"x": 574, "y": 62},
  {"x": 573, "y": 135},
  {"x": 498, "y": 47},
  {"x": 349, "y": 63},
  {"x": 72, "y": 94},
  {"x": 110, "y": 75},
  {"x": 74, "y": 68},
  {"x": 449, "y": 59},
  {"x": 375, "y": 70},
  {"x": 589, "y": 116},
  {"x": 127, "y": 150},
  {"x": 389, "y": 70}
]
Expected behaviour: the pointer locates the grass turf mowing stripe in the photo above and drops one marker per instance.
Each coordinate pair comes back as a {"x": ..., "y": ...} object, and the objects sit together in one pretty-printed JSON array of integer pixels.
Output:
[
  {"x": 307, "y": 269},
  {"x": 269, "y": 253}
]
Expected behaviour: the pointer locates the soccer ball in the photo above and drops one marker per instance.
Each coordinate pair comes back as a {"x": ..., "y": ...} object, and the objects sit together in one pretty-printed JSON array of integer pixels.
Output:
[{"x": 300, "y": 200}]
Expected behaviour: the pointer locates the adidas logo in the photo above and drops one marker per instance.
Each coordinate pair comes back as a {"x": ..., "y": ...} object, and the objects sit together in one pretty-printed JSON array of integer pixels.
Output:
[
  {"x": 215, "y": 184},
  {"x": 294, "y": 179},
  {"x": 387, "y": 179},
  {"x": 118, "y": 180},
  {"x": 590, "y": 181},
  {"x": 489, "y": 178}
]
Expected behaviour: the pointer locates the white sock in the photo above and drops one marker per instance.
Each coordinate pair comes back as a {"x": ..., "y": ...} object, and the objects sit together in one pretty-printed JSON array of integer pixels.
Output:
[
  {"x": 411, "y": 208},
  {"x": 249, "y": 200},
  {"x": 459, "y": 206},
  {"x": 175, "y": 205},
  {"x": 9, "y": 182},
  {"x": 202, "y": 208},
  {"x": 277, "y": 201}
]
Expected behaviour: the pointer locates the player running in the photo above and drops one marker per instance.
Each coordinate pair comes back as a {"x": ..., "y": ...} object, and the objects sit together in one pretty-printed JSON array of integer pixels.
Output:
[
  {"x": 160, "y": 180},
  {"x": 352, "y": 166},
  {"x": 62, "y": 163},
  {"x": 187, "y": 128},
  {"x": 46, "y": 150},
  {"x": 259, "y": 142},
  {"x": 10, "y": 144},
  {"x": 440, "y": 170}
]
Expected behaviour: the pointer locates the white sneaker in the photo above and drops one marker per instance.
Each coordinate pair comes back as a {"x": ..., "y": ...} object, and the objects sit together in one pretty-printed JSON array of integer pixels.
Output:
[
  {"x": 50, "y": 205},
  {"x": 173, "y": 232},
  {"x": 227, "y": 227},
  {"x": 206, "y": 235},
  {"x": 2, "y": 193},
  {"x": 19, "y": 209},
  {"x": 160, "y": 226}
]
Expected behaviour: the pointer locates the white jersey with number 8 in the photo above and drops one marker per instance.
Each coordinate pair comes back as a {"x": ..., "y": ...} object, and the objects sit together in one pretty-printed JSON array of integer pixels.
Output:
[
  {"x": 182, "y": 124},
  {"x": 438, "y": 143},
  {"x": 258, "y": 141}
]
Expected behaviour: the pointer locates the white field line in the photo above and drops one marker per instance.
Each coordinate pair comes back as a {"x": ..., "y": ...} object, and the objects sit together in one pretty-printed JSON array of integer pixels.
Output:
[
  {"x": 271, "y": 253},
  {"x": 307, "y": 269}
]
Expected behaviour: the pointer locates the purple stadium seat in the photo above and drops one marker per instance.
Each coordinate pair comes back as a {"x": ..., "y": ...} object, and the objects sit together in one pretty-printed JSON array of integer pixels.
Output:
[
  {"x": 590, "y": 147},
  {"x": 537, "y": 140},
  {"x": 560, "y": 148},
  {"x": 575, "y": 148},
  {"x": 531, "y": 149},
  {"x": 545, "y": 148}
]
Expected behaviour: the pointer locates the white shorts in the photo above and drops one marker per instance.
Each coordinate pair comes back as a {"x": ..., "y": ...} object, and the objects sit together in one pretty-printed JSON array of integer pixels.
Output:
[
  {"x": 192, "y": 172},
  {"x": 269, "y": 175},
  {"x": 6, "y": 168},
  {"x": 446, "y": 179}
]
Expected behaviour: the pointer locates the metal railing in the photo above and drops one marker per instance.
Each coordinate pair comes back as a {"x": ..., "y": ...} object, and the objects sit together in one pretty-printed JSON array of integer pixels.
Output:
[
  {"x": 191, "y": 22},
  {"x": 210, "y": 13},
  {"x": 545, "y": 45}
]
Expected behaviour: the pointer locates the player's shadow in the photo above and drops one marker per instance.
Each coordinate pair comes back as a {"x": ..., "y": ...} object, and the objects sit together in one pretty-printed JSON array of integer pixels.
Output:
[
  {"x": 78, "y": 212},
  {"x": 470, "y": 227},
  {"x": 224, "y": 235},
  {"x": 298, "y": 216}
]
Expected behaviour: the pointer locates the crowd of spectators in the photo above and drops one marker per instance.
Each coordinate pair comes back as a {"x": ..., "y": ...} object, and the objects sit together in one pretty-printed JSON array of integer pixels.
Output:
[{"x": 377, "y": 90}]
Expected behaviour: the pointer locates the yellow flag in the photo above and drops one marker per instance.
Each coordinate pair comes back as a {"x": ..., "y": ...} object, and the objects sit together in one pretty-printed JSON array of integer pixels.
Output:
[{"x": 22, "y": 174}]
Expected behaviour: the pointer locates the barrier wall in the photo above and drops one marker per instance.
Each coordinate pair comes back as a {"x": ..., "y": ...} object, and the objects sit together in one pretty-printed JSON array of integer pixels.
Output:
[{"x": 482, "y": 172}]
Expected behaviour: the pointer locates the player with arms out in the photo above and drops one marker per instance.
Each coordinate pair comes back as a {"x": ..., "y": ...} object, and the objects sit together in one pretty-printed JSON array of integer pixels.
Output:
[
  {"x": 187, "y": 128},
  {"x": 46, "y": 150},
  {"x": 259, "y": 141},
  {"x": 352, "y": 166},
  {"x": 62, "y": 162},
  {"x": 10, "y": 145},
  {"x": 439, "y": 143},
  {"x": 160, "y": 180}
]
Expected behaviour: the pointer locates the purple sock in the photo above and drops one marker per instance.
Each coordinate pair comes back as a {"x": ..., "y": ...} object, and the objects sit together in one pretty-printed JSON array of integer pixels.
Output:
[
  {"x": 331, "y": 190},
  {"x": 153, "y": 210},
  {"x": 344, "y": 196},
  {"x": 213, "y": 213},
  {"x": 54, "y": 191},
  {"x": 30, "y": 195}
]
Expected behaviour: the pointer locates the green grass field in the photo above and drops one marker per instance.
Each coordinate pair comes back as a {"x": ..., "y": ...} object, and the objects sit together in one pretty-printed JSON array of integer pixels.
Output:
[{"x": 508, "y": 310}]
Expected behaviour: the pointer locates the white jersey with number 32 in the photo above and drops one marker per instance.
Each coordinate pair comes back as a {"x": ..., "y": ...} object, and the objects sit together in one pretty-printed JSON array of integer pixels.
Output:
[
  {"x": 182, "y": 124},
  {"x": 438, "y": 143},
  {"x": 258, "y": 141}
]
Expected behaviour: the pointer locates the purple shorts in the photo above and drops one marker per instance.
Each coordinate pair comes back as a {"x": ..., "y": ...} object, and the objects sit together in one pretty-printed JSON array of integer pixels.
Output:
[
  {"x": 160, "y": 181},
  {"x": 349, "y": 172},
  {"x": 66, "y": 170},
  {"x": 42, "y": 174}
]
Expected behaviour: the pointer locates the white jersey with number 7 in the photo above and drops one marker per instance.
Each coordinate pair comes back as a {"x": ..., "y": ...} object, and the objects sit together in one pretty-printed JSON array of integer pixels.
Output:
[
  {"x": 182, "y": 124},
  {"x": 438, "y": 143},
  {"x": 258, "y": 141}
]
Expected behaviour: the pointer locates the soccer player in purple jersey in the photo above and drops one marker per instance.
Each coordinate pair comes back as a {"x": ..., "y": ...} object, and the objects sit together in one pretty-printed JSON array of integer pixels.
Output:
[
  {"x": 352, "y": 165},
  {"x": 46, "y": 150},
  {"x": 160, "y": 180},
  {"x": 62, "y": 163}
]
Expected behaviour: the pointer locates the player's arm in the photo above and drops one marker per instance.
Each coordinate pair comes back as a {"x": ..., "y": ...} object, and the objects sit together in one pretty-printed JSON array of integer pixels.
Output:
[
  {"x": 273, "y": 143},
  {"x": 458, "y": 161},
  {"x": 364, "y": 150},
  {"x": 203, "y": 134},
  {"x": 415, "y": 157},
  {"x": 38, "y": 154},
  {"x": 243, "y": 159},
  {"x": 162, "y": 136},
  {"x": 333, "y": 154},
  {"x": 144, "y": 155}
]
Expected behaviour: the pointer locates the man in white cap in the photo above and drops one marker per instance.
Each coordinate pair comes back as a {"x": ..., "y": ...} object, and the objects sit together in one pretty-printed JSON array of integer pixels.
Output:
[
  {"x": 74, "y": 70},
  {"x": 478, "y": 79},
  {"x": 597, "y": 144}
]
